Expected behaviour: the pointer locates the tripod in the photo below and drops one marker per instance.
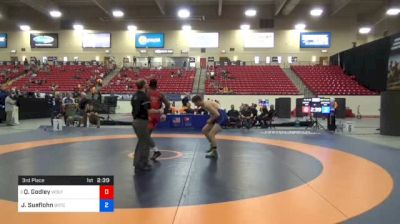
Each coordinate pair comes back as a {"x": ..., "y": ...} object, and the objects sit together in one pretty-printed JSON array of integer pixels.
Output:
[
  {"x": 108, "y": 118},
  {"x": 315, "y": 125}
]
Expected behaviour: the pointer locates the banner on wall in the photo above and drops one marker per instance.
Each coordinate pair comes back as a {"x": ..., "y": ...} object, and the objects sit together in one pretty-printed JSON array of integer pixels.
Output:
[
  {"x": 96, "y": 40},
  {"x": 204, "y": 40},
  {"x": 149, "y": 40},
  {"x": 44, "y": 40},
  {"x": 259, "y": 40},
  {"x": 315, "y": 40},
  {"x": 393, "y": 77},
  {"x": 52, "y": 58},
  {"x": 3, "y": 40},
  {"x": 163, "y": 51},
  {"x": 192, "y": 62}
]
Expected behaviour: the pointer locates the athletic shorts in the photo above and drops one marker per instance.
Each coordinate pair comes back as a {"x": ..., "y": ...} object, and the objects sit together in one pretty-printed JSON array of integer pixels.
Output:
[
  {"x": 153, "y": 121},
  {"x": 222, "y": 119}
]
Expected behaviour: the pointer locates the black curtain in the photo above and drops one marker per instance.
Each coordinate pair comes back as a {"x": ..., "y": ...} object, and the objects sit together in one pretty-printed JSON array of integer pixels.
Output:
[
  {"x": 368, "y": 63},
  {"x": 334, "y": 60}
]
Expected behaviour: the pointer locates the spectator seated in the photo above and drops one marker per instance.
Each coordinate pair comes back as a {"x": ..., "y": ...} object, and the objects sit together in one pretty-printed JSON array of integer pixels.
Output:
[
  {"x": 246, "y": 117},
  {"x": 169, "y": 80},
  {"x": 234, "y": 117},
  {"x": 10, "y": 72},
  {"x": 61, "y": 78},
  {"x": 72, "y": 115}
]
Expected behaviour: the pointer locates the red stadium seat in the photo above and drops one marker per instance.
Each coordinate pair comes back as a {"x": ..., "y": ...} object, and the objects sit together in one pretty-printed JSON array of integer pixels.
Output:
[
  {"x": 125, "y": 81},
  {"x": 253, "y": 80},
  {"x": 329, "y": 80},
  {"x": 10, "y": 72},
  {"x": 66, "y": 77}
]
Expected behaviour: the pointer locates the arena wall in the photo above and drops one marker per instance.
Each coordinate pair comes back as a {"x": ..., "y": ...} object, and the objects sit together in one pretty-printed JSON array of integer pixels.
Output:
[
  {"x": 123, "y": 44},
  {"x": 369, "y": 105}
]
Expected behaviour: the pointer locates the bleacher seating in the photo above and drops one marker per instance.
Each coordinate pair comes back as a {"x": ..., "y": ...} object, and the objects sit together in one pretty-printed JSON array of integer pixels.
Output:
[
  {"x": 124, "y": 83},
  {"x": 329, "y": 80},
  {"x": 252, "y": 80},
  {"x": 66, "y": 77},
  {"x": 9, "y": 72}
]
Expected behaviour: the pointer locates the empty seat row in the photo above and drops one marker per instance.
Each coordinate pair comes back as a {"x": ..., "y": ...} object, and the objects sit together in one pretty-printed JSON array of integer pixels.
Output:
[
  {"x": 329, "y": 80},
  {"x": 251, "y": 80}
]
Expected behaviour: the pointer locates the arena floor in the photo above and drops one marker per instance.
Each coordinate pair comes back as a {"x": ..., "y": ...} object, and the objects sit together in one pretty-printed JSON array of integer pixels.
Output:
[{"x": 262, "y": 176}]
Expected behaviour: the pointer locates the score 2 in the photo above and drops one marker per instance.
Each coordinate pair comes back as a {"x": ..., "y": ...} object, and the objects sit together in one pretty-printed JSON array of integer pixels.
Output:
[{"x": 106, "y": 198}]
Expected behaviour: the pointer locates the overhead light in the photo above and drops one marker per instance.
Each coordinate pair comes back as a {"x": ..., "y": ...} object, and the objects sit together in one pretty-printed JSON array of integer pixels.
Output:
[
  {"x": 78, "y": 27},
  {"x": 324, "y": 51},
  {"x": 183, "y": 13},
  {"x": 132, "y": 27},
  {"x": 250, "y": 12},
  {"x": 25, "y": 27},
  {"x": 364, "y": 30},
  {"x": 118, "y": 13},
  {"x": 393, "y": 11},
  {"x": 316, "y": 12},
  {"x": 186, "y": 27},
  {"x": 55, "y": 13},
  {"x": 300, "y": 26},
  {"x": 245, "y": 27}
]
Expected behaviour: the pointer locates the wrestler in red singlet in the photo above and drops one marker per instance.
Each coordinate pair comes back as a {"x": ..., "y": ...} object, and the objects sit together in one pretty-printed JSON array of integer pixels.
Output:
[{"x": 156, "y": 101}]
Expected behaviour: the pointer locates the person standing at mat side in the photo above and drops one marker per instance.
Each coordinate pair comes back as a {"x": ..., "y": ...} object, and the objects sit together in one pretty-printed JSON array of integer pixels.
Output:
[
  {"x": 213, "y": 126},
  {"x": 157, "y": 99},
  {"x": 140, "y": 112}
]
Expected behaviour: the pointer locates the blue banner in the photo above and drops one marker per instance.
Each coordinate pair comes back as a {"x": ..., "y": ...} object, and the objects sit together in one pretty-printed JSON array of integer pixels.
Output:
[
  {"x": 3, "y": 40},
  {"x": 173, "y": 97},
  {"x": 149, "y": 40},
  {"x": 315, "y": 40}
]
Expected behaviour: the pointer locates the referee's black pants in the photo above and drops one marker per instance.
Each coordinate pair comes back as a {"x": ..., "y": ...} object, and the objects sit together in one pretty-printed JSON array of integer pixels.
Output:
[{"x": 144, "y": 143}]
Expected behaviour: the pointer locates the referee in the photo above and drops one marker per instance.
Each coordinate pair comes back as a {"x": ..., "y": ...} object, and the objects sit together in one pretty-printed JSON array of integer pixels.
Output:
[{"x": 140, "y": 112}]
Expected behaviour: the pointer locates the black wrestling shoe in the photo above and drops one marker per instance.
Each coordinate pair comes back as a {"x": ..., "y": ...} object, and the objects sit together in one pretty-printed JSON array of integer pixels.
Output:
[
  {"x": 212, "y": 155},
  {"x": 156, "y": 154},
  {"x": 211, "y": 149}
]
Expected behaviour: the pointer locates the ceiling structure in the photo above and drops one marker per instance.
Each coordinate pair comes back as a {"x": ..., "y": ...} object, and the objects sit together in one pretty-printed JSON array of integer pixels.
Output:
[{"x": 97, "y": 14}]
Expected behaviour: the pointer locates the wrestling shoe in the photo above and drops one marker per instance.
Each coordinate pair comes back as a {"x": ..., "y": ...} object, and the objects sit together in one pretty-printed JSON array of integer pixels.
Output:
[
  {"x": 211, "y": 149},
  {"x": 212, "y": 155},
  {"x": 156, "y": 154}
]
